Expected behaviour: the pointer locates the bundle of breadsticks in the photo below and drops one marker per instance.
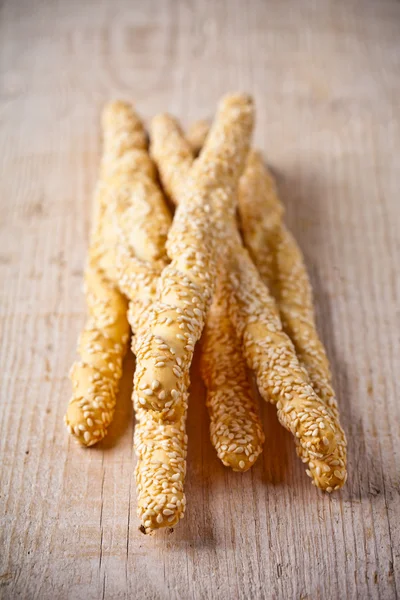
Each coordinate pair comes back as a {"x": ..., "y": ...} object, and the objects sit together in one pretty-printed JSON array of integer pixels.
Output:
[{"x": 224, "y": 269}]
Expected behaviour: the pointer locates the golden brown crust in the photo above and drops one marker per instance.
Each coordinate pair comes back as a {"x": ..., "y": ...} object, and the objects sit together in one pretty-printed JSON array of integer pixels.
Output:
[
  {"x": 280, "y": 377},
  {"x": 160, "y": 470},
  {"x": 131, "y": 247},
  {"x": 236, "y": 430},
  {"x": 176, "y": 320},
  {"x": 102, "y": 346},
  {"x": 281, "y": 264},
  {"x": 128, "y": 245}
]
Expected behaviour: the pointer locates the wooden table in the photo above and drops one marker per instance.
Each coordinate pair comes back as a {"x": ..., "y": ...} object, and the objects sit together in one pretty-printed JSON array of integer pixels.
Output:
[{"x": 325, "y": 77}]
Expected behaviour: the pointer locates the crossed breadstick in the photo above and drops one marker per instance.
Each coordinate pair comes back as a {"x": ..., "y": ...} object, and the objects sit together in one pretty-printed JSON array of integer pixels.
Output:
[
  {"x": 269, "y": 352},
  {"x": 280, "y": 263},
  {"x": 235, "y": 426}
]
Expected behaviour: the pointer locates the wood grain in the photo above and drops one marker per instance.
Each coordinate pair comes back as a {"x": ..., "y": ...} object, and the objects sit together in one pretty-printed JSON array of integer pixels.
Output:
[{"x": 325, "y": 78}]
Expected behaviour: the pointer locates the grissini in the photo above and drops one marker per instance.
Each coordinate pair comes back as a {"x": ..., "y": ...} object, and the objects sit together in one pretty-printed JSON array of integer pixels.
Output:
[
  {"x": 103, "y": 343},
  {"x": 235, "y": 426},
  {"x": 280, "y": 263}
]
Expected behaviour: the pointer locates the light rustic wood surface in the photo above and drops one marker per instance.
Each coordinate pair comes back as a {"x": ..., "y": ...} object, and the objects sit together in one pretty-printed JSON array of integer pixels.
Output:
[{"x": 325, "y": 77}]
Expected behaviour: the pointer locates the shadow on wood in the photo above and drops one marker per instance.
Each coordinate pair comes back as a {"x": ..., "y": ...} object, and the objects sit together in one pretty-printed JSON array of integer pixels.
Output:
[
  {"x": 364, "y": 467},
  {"x": 203, "y": 467},
  {"x": 278, "y": 447},
  {"x": 123, "y": 416}
]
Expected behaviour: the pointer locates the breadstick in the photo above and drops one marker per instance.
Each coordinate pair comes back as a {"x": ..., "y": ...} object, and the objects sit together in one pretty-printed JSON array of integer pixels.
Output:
[
  {"x": 236, "y": 430},
  {"x": 165, "y": 350},
  {"x": 102, "y": 347},
  {"x": 281, "y": 265},
  {"x": 160, "y": 470},
  {"x": 281, "y": 379}
]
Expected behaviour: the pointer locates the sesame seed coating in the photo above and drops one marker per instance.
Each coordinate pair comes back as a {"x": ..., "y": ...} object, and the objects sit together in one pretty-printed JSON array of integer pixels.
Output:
[
  {"x": 102, "y": 346},
  {"x": 176, "y": 320},
  {"x": 281, "y": 266},
  {"x": 279, "y": 260},
  {"x": 236, "y": 430},
  {"x": 160, "y": 470},
  {"x": 128, "y": 246},
  {"x": 131, "y": 247}
]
